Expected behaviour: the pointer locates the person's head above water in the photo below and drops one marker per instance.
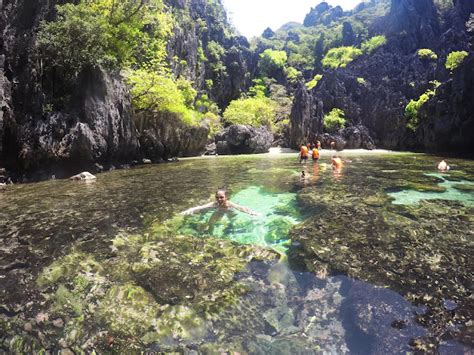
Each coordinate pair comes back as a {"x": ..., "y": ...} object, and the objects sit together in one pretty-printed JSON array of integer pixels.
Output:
[{"x": 221, "y": 197}]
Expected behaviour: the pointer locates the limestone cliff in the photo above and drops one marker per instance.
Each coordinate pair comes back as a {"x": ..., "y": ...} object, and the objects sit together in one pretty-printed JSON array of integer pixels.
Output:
[
  {"x": 52, "y": 124},
  {"x": 375, "y": 88}
]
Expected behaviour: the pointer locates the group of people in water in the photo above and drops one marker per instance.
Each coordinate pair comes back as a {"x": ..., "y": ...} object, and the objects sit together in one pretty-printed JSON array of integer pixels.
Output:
[
  {"x": 222, "y": 205},
  {"x": 312, "y": 150}
]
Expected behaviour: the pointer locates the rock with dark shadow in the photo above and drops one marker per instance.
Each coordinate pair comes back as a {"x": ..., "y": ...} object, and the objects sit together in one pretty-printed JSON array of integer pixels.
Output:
[{"x": 242, "y": 139}]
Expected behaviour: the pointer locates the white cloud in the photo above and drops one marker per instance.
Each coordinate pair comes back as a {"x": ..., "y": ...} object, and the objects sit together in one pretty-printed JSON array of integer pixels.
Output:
[{"x": 251, "y": 17}]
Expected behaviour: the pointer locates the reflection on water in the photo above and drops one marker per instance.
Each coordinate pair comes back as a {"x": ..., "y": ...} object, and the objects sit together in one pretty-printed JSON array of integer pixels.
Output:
[{"x": 113, "y": 264}]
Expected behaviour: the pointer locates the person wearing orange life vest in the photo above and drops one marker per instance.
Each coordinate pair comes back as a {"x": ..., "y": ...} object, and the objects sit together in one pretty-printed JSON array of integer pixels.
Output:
[
  {"x": 315, "y": 154},
  {"x": 303, "y": 153}
]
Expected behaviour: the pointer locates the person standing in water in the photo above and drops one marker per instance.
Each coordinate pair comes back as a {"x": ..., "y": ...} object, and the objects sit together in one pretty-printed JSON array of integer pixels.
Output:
[
  {"x": 336, "y": 162},
  {"x": 221, "y": 204},
  {"x": 315, "y": 154},
  {"x": 304, "y": 150}
]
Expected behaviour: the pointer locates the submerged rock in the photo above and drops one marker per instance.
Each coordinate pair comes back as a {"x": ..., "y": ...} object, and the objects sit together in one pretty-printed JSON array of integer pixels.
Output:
[
  {"x": 419, "y": 250},
  {"x": 159, "y": 287}
]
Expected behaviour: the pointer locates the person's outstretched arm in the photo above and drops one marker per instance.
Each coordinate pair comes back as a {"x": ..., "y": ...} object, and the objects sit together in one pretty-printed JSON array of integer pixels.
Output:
[
  {"x": 244, "y": 209},
  {"x": 198, "y": 208}
]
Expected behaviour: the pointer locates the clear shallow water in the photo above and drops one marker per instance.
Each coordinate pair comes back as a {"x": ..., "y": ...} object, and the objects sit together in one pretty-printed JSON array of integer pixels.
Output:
[
  {"x": 91, "y": 243},
  {"x": 277, "y": 213},
  {"x": 451, "y": 193}
]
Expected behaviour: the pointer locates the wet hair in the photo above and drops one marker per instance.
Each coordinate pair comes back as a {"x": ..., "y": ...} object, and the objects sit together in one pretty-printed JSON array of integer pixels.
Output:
[{"x": 221, "y": 189}]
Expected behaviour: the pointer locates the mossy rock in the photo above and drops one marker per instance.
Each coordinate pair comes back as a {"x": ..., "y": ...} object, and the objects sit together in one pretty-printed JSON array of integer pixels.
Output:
[
  {"x": 156, "y": 286},
  {"x": 423, "y": 187},
  {"x": 464, "y": 187},
  {"x": 410, "y": 249},
  {"x": 458, "y": 175}
]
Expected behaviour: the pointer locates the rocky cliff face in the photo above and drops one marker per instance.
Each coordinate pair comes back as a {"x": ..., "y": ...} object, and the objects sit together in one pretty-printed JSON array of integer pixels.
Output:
[
  {"x": 49, "y": 124},
  {"x": 306, "y": 117},
  {"x": 447, "y": 120},
  {"x": 202, "y": 26},
  {"x": 374, "y": 90},
  {"x": 93, "y": 125}
]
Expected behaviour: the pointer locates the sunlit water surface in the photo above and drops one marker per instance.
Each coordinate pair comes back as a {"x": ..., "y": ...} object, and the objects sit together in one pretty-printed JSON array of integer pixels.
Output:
[{"x": 299, "y": 312}]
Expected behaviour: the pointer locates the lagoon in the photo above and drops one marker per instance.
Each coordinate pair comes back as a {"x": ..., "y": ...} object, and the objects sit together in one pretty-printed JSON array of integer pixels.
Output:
[{"x": 373, "y": 258}]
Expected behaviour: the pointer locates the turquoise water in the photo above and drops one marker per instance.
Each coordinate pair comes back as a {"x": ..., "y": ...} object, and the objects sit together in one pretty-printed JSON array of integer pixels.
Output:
[
  {"x": 411, "y": 197},
  {"x": 277, "y": 213}
]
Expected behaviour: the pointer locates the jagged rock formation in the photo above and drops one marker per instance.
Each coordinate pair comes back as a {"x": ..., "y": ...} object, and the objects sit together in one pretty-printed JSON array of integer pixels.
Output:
[
  {"x": 191, "y": 39},
  {"x": 374, "y": 89},
  {"x": 306, "y": 118},
  {"x": 52, "y": 124},
  {"x": 322, "y": 14},
  {"x": 415, "y": 21},
  {"x": 446, "y": 121}
]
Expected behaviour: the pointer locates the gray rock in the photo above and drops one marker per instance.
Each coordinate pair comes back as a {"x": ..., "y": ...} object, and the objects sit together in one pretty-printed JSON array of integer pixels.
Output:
[
  {"x": 242, "y": 139},
  {"x": 85, "y": 175}
]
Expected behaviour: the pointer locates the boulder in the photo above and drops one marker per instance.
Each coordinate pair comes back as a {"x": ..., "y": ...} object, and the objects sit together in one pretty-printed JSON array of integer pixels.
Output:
[
  {"x": 357, "y": 137},
  {"x": 85, "y": 175},
  {"x": 242, "y": 139}
]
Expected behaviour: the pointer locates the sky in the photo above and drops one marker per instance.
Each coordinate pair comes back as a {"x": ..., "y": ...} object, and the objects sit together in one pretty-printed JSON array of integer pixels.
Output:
[{"x": 251, "y": 17}]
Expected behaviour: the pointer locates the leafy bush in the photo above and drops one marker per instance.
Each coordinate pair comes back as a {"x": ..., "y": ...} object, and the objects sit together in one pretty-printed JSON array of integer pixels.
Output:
[
  {"x": 158, "y": 95},
  {"x": 254, "y": 111},
  {"x": 215, "y": 50},
  {"x": 361, "y": 81},
  {"x": 101, "y": 32},
  {"x": 412, "y": 108},
  {"x": 259, "y": 88},
  {"x": 455, "y": 59},
  {"x": 372, "y": 44},
  {"x": 340, "y": 57},
  {"x": 293, "y": 75},
  {"x": 334, "y": 120},
  {"x": 313, "y": 82},
  {"x": 425, "y": 53},
  {"x": 271, "y": 60},
  {"x": 76, "y": 39}
]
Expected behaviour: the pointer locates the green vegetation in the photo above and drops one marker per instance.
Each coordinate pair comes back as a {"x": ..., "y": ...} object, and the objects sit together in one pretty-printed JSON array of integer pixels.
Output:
[
  {"x": 334, "y": 120},
  {"x": 413, "y": 107},
  {"x": 425, "y": 53},
  {"x": 257, "y": 111},
  {"x": 372, "y": 44},
  {"x": 293, "y": 75},
  {"x": 312, "y": 84},
  {"x": 101, "y": 32},
  {"x": 254, "y": 111},
  {"x": 272, "y": 61},
  {"x": 455, "y": 59},
  {"x": 306, "y": 46},
  {"x": 361, "y": 81},
  {"x": 160, "y": 96},
  {"x": 131, "y": 37},
  {"x": 340, "y": 57}
]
